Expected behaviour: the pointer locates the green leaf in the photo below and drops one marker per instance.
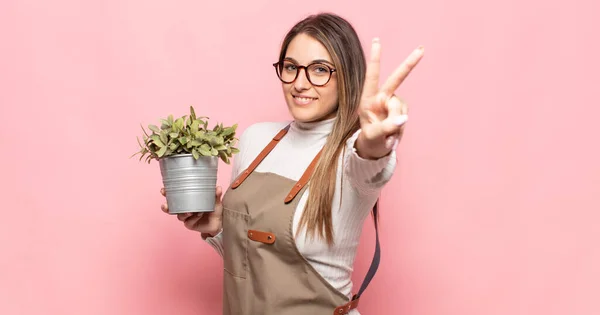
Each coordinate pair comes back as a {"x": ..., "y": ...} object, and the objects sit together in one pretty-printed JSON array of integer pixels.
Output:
[
  {"x": 174, "y": 135},
  {"x": 205, "y": 150},
  {"x": 195, "y": 154},
  {"x": 202, "y": 135},
  {"x": 156, "y": 140},
  {"x": 214, "y": 140},
  {"x": 163, "y": 136},
  {"x": 194, "y": 126},
  {"x": 162, "y": 151},
  {"x": 192, "y": 113},
  {"x": 221, "y": 147},
  {"x": 170, "y": 119},
  {"x": 153, "y": 128},
  {"x": 214, "y": 151},
  {"x": 228, "y": 131},
  {"x": 196, "y": 143},
  {"x": 183, "y": 140},
  {"x": 224, "y": 157},
  {"x": 165, "y": 124},
  {"x": 234, "y": 150},
  {"x": 179, "y": 123}
]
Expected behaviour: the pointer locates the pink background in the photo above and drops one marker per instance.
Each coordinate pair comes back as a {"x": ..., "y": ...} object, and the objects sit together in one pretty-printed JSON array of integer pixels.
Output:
[{"x": 493, "y": 210}]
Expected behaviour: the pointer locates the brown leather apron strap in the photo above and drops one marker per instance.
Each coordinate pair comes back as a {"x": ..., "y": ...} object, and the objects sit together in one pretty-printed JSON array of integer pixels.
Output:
[
  {"x": 304, "y": 179},
  {"x": 240, "y": 179},
  {"x": 345, "y": 309},
  {"x": 301, "y": 182}
]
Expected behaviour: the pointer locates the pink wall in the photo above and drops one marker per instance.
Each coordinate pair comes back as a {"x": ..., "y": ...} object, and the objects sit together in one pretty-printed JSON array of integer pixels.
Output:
[{"x": 492, "y": 210}]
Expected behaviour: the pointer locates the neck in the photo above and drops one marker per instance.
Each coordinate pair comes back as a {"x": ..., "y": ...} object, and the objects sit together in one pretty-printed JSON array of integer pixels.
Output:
[{"x": 321, "y": 126}]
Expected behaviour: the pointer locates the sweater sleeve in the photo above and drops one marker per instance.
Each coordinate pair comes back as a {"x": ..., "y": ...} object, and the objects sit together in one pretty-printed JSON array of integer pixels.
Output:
[{"x": 367, "y": 176}]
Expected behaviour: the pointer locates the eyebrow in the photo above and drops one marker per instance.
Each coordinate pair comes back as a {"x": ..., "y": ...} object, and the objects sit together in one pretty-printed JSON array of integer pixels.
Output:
[{"x": 316, "y": 60}]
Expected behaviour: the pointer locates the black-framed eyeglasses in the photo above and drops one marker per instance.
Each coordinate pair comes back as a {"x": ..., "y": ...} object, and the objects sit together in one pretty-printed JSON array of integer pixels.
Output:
[{"x": 317, "y": 73}]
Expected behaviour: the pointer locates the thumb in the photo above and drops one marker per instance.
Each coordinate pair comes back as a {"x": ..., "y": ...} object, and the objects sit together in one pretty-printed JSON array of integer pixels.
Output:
[
  {"x": 396, "y": 116},
  {"x": 392, "y": 124}
]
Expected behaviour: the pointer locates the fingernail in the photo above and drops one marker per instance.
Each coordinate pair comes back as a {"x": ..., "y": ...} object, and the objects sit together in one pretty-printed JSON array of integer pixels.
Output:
[
  {"x": 376, "y": 40},
  {"x": 421, "y": 48},
  {"x": 399, "y": 120}
]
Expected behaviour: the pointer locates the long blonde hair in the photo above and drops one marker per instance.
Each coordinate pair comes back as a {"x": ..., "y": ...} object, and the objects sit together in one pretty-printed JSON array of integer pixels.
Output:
[{"x": 342, "y": 42}]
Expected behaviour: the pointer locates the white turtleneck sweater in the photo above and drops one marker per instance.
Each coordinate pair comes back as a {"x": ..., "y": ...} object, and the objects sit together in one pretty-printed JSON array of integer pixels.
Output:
[{"x": 359, "y": 189}]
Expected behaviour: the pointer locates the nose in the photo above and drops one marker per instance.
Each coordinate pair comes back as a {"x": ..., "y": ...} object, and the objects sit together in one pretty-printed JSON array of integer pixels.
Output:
[{"x": 302, "y": 82}]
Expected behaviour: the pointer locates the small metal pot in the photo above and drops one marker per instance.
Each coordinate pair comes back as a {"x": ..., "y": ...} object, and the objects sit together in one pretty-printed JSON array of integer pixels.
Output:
[{"x": 190, "y": 184}]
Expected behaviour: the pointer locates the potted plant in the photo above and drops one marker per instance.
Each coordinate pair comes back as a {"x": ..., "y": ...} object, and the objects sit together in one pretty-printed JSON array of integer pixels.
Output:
[{"x": 188, "y": 152}]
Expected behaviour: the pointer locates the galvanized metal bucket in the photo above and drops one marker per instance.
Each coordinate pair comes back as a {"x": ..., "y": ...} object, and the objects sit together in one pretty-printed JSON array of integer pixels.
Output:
[{"x": 190, "y": 184}]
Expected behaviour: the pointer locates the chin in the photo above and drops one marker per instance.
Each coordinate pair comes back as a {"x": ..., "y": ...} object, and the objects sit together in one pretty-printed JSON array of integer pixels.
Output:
[
  {"x": 310, "y": 113},
  {"x": 303, "y": 115}
]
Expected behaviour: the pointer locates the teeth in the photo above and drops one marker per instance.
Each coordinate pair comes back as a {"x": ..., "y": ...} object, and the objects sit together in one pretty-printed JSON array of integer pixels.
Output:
[{"x": 305, "y": 99}]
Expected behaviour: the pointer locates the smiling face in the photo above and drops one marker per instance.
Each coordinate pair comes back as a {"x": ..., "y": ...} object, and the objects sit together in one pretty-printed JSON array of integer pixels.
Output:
[{"x": 307, "y": 102}]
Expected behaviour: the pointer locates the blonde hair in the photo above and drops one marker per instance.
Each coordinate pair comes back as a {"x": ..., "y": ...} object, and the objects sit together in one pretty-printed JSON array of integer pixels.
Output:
[{"x": 342, "y": 42}]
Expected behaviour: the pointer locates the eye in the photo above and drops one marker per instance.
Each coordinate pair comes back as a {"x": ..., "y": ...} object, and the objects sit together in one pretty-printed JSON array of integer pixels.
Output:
[
  {"x": 288, "y": 66},
  {"x": 319, "y": 69}
]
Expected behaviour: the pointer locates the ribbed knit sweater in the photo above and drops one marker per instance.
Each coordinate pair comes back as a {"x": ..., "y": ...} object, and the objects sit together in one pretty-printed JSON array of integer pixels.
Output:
[{"x": 358, "y": 184}]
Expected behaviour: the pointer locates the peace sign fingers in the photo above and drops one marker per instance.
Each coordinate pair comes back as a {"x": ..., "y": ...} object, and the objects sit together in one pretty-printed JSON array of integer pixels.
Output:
[
  {"x": 394, "y": 80},
  {"x": 382, "y": 115},
  {"x": 372, "y": 75}
]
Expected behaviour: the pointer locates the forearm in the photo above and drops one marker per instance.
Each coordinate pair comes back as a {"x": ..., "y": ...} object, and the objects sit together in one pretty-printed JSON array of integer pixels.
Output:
[
  {"x": 368, "y": 173},
  {"x": 215, "y": 241},
  {"x": 373, "y": 149}
]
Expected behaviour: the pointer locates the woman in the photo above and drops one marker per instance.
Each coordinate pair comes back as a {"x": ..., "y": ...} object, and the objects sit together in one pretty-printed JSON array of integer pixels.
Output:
[{"x": 288, "y": 247}]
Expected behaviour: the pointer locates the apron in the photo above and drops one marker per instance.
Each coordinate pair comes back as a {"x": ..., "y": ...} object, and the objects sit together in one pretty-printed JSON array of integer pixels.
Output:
[{"x": 264, "y": 273}]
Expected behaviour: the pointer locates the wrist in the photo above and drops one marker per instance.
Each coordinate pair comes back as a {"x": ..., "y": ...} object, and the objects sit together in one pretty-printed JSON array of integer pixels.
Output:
[
  {"x": 206, "y": 235},
  {"x": 218, "y": 227},
  {"x": 370, "y": 149}
]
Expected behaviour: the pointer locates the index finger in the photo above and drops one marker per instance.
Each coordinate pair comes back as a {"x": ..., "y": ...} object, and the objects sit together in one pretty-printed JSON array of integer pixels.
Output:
[
  {"x": 394, "y": 81},
  {"x": 372, "y": 74}
]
